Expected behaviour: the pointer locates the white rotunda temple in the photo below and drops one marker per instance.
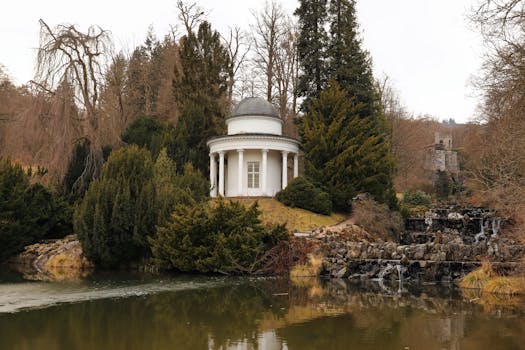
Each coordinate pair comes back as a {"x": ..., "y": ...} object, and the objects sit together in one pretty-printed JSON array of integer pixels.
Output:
[{"x": 253, "y": 157}]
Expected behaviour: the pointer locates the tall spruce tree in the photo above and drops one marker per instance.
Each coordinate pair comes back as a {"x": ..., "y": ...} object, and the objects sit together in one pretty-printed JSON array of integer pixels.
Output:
[
  {"x": 345, "y": 142},
  {"x": 311, "y": 47},
  {"x": 200, "y": 88},
  {"x": 343, "y": 151},
  {"x": 347, "y": 62}
]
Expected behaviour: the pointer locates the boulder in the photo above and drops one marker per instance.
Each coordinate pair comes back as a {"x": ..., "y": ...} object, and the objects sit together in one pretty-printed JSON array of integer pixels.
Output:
[{"x": 61, "y": 259}]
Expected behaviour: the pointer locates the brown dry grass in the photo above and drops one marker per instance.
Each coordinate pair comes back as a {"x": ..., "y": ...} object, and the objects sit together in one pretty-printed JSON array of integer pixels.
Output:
[
  {"x": 478, "y": 278},
  {"x": 487, "y": 281},
  {"x": 297, "y": 220},
  {"x": 312, "y": 268}
]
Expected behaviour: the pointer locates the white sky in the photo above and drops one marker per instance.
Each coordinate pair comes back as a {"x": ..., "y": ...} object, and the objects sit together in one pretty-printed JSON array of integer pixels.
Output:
[{"x": 424, "y": 46}]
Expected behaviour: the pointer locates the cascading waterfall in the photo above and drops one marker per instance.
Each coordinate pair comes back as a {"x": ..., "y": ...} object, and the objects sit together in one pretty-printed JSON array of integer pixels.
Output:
[
  {"x": 482, "y": 232},
  {"x": 496, "y": 226},
  {"x": 400, "y": 277},
  {"x": 388, "y": 269},
  {"x": 381, "y": 275}
]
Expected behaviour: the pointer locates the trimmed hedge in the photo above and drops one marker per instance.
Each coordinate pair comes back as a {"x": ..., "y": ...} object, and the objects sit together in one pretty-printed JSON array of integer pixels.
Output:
[{"x": 302, "y": 193}]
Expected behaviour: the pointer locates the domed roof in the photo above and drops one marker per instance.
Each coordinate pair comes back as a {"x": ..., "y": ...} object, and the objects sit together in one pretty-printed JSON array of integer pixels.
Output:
[{"x": 254, "y": 106}]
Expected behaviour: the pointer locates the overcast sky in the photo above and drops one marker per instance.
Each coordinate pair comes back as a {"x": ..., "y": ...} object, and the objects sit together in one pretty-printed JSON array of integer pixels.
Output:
[{"x": 424, "y": 46}]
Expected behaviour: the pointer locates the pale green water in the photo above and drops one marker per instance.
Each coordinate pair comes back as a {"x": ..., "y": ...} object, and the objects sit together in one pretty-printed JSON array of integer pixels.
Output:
[{"x": 192, "y": 312}]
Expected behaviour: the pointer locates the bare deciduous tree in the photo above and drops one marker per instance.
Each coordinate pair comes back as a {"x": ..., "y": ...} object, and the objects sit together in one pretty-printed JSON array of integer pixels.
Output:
[
  {"x": 287, "y": 69},
  {"x": 267, "y": 32},
  {"x": 238, "y": 49},
  {"x": 496, "y": 161},
  {"x": 70, "y": 58},
  {"x": 190, "y": 14}
]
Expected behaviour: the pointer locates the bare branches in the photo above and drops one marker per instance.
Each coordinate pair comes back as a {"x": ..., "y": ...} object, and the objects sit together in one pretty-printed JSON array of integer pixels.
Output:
[
  {"x": 274, "y": 57},
  {"x": 190, "y": 14},
  {"x": 238, "y": 49},
  {"x": 267, "y": 34},
  {"x": 68, "y": 56}
]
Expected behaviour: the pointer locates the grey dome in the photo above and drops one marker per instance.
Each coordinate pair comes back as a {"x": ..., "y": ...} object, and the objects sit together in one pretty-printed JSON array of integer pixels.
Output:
[{"x": 255, "y": 106}]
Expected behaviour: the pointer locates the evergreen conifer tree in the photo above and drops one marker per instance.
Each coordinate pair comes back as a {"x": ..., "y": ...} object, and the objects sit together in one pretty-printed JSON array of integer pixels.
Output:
[
  {"x": 345, "y": 141},
  {"x": 200, "y": 88},
  {"x": 347, "y": 63},
  {"x": 311, "y": 47},
  {"x": 343, "y": 151},
  {"x": 119, "y": 210}
]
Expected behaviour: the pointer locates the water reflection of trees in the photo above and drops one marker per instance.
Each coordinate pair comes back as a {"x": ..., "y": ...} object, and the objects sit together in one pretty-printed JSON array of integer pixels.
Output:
[{"x": 310, "y": 315}]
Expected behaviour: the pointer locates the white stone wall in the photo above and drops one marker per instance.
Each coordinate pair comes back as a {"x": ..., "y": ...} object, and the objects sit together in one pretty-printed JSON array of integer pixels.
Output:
[
  {"x": 254, "y": 124},
  {"x": 275, "y": 169},
  {"x": 273, "y": 177},
  {"x": 231, "y": 182}
]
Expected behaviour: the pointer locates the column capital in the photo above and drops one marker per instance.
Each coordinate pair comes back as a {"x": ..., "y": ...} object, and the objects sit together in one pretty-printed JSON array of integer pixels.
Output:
[
  {"x": 221, "y": 153},
  {"x": 285, "y": 153},
  {"x": 240, "y": 150},
  {"x": 212, "y": 154},
  {"x": 264, "y": 150}
]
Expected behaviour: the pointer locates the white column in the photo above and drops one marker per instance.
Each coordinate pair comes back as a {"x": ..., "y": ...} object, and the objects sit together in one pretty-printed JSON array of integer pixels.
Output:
[
  {"x": 285, "y": 170},
  {"x": 221, "y": 173},
  {"x": 295, "y": 165},
  {"x": 213, "y": 176},
  {"x": 240, "y": 177},
  {"x": 264, "y": 170}
]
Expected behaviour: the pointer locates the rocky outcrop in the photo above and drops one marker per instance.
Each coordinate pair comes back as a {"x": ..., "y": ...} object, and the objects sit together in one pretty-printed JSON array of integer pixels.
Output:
[
  {"x": 443, "y": 246},
  {"x": 426, "y": 262},
  {"x": 61, "y": 259}
]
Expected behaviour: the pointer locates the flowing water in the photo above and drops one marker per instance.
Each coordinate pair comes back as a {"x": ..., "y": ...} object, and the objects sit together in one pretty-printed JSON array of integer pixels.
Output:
[{"x": 132, "y": 311}]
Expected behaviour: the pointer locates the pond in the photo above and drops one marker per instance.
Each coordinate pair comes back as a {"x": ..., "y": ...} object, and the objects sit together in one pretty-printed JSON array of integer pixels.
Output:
[{"x": 136, "y": 311}]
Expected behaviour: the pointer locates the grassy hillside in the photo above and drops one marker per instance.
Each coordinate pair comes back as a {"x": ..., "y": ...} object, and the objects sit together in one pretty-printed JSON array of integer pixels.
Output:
[{"x": 296, "y": 219}]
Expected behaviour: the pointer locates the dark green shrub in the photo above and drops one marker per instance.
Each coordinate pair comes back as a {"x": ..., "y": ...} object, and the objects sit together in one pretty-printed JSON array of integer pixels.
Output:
[
  {"x": 227, "y": 238},
  {"x": 145, "y": 132},
  {"x": 173, "y": 188},
  {"x": 119, "y": 210},
  {"x": 417, "y": 198},
  {"x": 302, "y": 193},
  {"x": 28, "y": 212},
  {"x": 73, "y": 186}
]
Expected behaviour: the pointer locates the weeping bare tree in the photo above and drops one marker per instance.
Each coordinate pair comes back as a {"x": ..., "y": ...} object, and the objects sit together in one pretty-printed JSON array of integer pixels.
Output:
[{"x": 69, "y": 57}]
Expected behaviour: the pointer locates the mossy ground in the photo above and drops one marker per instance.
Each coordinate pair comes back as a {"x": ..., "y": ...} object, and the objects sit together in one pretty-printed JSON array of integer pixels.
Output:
[{"x": 297, "y": 220}]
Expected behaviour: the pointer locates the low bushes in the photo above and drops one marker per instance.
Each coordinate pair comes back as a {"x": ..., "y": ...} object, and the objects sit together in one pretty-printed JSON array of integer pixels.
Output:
[
  {"x": 417, "y": 198},
  {"x": 377, "y": 218},
  {"x": 302, "y": 193},
  {"x": 225, "y": 237}
]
